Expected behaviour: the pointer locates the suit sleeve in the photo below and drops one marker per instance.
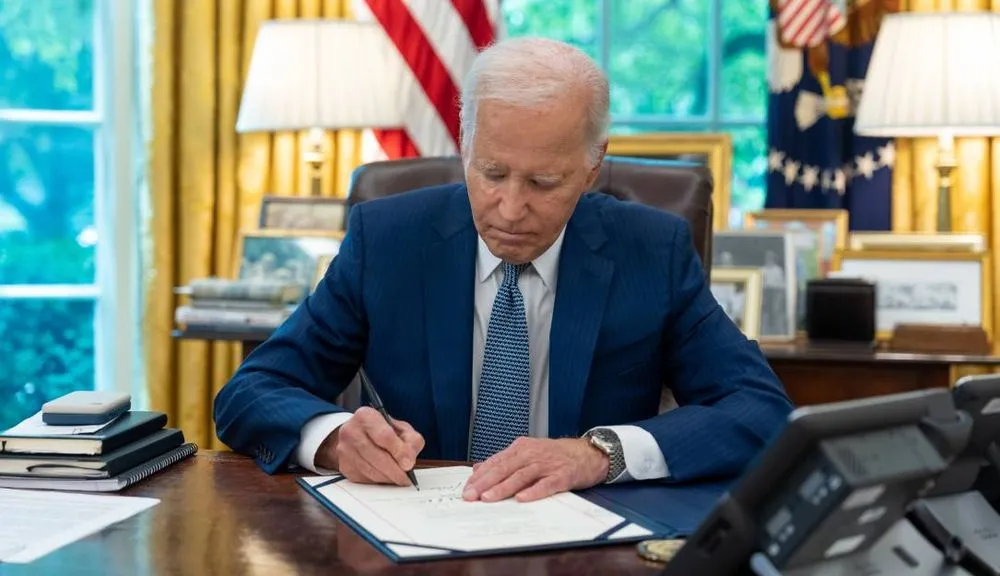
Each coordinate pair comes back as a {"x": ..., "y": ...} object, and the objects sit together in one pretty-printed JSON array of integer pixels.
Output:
[
  {"x": 730, "y": 403},
  {"x": 300, "y": 370}
]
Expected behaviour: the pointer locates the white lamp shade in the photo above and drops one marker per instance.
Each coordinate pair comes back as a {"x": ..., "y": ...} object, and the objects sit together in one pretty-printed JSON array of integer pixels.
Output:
[
  {"x": 933, "y": 74},
  {"x": 322, "y": 74}
]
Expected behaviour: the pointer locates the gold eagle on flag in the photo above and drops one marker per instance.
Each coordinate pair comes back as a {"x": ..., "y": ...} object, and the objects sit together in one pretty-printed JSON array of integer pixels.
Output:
[{"x": 811, "y": 25}]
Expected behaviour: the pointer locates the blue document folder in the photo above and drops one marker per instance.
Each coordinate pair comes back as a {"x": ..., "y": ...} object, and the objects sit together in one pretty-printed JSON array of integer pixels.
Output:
[{"x": 630, "y": 512}]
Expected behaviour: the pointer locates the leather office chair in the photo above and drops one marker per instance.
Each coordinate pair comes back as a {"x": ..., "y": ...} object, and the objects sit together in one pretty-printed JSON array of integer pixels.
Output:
[{"x": 683, "y": 188}]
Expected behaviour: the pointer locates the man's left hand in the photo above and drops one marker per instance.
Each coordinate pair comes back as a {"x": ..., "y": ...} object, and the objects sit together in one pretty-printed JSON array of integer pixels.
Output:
[{"x": 534, "y": 468}]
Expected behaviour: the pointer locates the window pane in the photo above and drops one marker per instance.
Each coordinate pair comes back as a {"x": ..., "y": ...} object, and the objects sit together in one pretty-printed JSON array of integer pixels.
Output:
[
  {"x": 47, "y": 350},
  {"x": 749, "y": 172},
  {"x": 658, "y": 57},
  {"x": 47, "y": 232},
  {"x": 46, "y": 54},
  {"x": 744, "y": 60},
  {"x": 572, "y": 21}
]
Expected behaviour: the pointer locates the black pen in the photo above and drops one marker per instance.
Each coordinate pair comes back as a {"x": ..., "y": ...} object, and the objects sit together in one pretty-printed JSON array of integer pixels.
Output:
[{"x": 377, "y": 404}]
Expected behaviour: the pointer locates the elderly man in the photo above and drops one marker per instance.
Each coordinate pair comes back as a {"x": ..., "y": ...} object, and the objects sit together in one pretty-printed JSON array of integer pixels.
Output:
[{"x": 514, "y": 321}]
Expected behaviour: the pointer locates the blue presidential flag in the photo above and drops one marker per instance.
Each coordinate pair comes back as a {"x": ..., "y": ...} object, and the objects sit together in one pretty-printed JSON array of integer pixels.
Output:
[{"x": 819, "y": 52}]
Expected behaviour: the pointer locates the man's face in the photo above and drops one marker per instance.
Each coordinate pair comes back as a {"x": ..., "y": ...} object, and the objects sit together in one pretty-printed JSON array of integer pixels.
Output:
[{"x": 526, "y": 171}]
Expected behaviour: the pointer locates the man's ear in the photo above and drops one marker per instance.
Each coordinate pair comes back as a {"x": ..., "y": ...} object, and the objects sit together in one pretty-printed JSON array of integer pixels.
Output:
[{"x": 592, "y": 177}]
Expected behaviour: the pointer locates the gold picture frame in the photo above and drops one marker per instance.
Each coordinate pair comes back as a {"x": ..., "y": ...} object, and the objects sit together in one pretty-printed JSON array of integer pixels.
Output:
[
  {"x": 918, "y": 241},
  {"x": 716, "y": 148},
  {"x": 914, "y": 258},
  {"x": 830, "y": 225},
  {"x": 302, "y": 213},
  {"x": 752, "y": 281},
  {"x": 314, "y": 243}
]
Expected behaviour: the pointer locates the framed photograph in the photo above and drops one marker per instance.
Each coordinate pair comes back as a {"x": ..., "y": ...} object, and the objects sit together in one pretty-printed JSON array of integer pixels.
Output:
[
  {"x": 738, "y": 291},
  {"x": 287, "y": 255},
  {"x": 713, "y": 150},
  {"x": 774, "y": 254},
  {"x": 922, "y": 287},
  {"x": 322, "y": 263},
  {"x": 918, "y": 241},
  {"x": 303, "y": 213}
]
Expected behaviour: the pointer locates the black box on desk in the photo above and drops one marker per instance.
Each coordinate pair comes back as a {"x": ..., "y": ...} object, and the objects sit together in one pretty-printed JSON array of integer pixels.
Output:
[{"x": 840, "y": 310}]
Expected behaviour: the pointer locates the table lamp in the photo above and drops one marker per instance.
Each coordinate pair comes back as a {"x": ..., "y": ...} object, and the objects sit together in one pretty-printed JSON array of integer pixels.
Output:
[
  {"x": 934, "y": 75},
  {"x": 317, "y": 74}
]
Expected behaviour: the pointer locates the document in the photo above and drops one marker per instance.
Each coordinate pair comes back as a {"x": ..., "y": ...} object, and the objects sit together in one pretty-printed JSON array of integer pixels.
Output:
[
  {"x": 35, "y": 426},
  {"x": 436, "y": 520},
  {"x": 34, "y": 523}
]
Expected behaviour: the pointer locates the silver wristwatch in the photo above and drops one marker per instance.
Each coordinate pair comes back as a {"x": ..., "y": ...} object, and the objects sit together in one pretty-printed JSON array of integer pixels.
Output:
[{"x": 608, "y": 442}]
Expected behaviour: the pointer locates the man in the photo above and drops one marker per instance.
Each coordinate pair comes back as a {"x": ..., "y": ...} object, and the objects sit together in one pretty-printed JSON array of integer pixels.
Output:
[{"x": 514, "y": 320}]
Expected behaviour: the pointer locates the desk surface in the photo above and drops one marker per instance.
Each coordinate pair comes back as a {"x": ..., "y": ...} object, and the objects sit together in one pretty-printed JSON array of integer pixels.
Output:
[{"x": 219, "y": 514}]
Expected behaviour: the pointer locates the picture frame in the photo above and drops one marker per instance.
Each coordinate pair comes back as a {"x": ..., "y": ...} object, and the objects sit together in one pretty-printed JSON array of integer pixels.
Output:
[
  {"x": 303, "y": 213},
  {"x": 739, "y": 291},
  {"x": 279, "y": 253},
  {"x": 713, "y": 149},
  {"x": 818, "y": 235},
  {"x": 918, "y": 241},
  {"x": 773, "y": 252},
  {"x": 924, "y": 287}
]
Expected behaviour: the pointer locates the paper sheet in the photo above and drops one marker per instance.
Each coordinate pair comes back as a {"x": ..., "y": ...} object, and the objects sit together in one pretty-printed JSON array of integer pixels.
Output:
[
  {"x": 34, "y": 523},
  {"x": 436, "y": 516},
  {"x": 35, "y": 426}
]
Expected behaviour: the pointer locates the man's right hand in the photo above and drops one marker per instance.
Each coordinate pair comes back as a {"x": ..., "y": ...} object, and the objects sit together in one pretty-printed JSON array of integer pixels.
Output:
[{"x": 368, "y": 450}]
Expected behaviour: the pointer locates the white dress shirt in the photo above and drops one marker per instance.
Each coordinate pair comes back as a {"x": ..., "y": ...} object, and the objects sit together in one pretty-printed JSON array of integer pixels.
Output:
[{"x": 643, "y": 458}]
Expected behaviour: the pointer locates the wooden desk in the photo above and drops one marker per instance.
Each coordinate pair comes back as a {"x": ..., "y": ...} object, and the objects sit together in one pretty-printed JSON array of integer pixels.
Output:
[
  {"x": 819, "y": 374},
  {"x": 220, "y": 515},
  {"x": 811, "y": 374}
]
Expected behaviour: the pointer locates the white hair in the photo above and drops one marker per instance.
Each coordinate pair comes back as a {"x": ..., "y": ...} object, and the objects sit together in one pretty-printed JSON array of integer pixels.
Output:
[{"x": 532, "y": 72}]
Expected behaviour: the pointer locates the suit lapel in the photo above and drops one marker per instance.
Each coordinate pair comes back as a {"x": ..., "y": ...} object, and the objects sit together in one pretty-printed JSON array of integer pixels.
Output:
[
  {"x": 581, "y": 294},
  {"x": 449, "y": 300}
]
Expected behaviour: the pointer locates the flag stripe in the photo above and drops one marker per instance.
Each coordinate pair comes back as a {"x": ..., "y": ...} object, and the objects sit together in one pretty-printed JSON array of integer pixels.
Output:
[
  {"x": 806, "y": 23},
  {"x": 418, "y": 53},
  {"x": 477, "y": 21}
]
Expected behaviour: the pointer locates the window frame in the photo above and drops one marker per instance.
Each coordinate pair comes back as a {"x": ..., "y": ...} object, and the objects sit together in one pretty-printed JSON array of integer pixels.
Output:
[{"x": 112, "y": 122}]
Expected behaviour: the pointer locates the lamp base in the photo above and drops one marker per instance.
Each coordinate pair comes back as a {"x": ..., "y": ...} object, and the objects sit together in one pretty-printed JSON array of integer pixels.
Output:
[
  {"x": 945, "y": 164},
  {"x": 315, "y": 157}
]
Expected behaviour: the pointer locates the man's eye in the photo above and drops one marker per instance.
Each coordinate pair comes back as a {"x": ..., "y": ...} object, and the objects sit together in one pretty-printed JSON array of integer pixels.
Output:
[
  {"x": 494, "y": 176},
  {"x": 544, "y": 184}
]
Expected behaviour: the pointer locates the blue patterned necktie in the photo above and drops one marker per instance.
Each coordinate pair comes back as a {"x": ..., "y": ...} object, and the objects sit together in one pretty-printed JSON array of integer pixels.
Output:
[{"x": 502, "y": 401}]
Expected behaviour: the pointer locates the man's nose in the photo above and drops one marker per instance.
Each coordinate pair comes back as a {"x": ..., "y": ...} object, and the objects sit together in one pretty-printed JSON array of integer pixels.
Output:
[{"x": 513, "y": 202}]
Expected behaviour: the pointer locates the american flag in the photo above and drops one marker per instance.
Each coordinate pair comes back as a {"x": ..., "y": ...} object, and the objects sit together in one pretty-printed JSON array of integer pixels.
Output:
[
  {"x": 438, "y": 40},
  {"x": 805, "y": 23}
]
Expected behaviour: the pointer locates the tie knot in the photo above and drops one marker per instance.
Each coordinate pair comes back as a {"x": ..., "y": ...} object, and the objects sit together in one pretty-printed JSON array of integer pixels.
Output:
[{"x": 511, "y": 272}]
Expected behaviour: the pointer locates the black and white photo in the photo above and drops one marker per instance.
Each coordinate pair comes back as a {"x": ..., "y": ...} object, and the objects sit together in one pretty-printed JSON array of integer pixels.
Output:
[
  {"x": 774, "y": 254},
  {"x": 302, "y": 213}
]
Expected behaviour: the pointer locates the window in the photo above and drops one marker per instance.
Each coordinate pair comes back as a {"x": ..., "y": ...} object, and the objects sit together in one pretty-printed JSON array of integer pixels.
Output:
[
  {"x": 66, "y": 199},
  {"x": 674, "y": 65}
]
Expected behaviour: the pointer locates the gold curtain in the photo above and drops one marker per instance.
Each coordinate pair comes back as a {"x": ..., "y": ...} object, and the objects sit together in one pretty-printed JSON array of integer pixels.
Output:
[
  {"x": 975, "y": 197},
  {"x": 206, "y": 182}
]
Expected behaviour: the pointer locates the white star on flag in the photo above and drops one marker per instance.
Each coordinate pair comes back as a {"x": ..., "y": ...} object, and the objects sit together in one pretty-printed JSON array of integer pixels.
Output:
[
  {"x": 866, "y": 165},
  {"x": 840, "y": 182},
  {"x": 775, "y": 159},
  {"x": 791, "y": 171},
  {"x": 810, "y": 176},
  {"x": 887, "y": 155}
]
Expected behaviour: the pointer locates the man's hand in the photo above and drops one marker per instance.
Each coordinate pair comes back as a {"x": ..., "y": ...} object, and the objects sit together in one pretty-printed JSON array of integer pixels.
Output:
[
  {"x": 366, "y": 449},
  {"x": 535, "y": 468}
]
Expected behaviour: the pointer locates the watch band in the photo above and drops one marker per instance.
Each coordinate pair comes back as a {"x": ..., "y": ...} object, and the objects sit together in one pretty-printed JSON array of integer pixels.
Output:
[{"x": 609, "y": 443}]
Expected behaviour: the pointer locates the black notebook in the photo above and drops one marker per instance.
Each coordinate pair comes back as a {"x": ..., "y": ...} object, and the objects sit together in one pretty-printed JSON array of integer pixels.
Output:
[
  {"x": 113, "y": 484},
  {"x": 125, "y": 429},
  {"x": 103, "y": 466}
]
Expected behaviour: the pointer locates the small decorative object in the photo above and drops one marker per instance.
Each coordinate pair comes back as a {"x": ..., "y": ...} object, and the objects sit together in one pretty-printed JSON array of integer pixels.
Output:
[
  {"x": 774, "y": 254},
  {"x": 840, "y": 310},
  {"x": 739, "y": 292},
  {"x": 660, "y": 551},
  {"x": 923, "y": 287},
  {"x": 918, "y": 241},
  {"x": 933, "y": 339},
  {"x": 712, "y": 150},
  {"x": 303, "y": 213},
  {"x": 284, "y": 255}
]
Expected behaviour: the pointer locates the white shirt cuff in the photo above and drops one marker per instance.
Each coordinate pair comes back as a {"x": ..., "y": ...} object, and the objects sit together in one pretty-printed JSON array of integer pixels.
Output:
[
  {"x": 312, "y": 436},
  {"x": 643, "y": 458}
]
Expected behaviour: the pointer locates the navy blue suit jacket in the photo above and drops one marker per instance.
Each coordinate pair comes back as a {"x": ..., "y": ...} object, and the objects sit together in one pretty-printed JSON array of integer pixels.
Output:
[{"x": 632, "y": 311}]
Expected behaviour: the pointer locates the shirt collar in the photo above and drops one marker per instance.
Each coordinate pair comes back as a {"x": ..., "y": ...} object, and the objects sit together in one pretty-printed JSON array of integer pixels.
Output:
[{"x": 546, "y": 265}]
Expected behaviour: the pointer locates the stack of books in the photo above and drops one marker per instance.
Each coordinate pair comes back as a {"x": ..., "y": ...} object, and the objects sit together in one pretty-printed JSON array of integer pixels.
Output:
[
  {"x": 221, "y": 304},
  {"x": 97, "y": 458}
]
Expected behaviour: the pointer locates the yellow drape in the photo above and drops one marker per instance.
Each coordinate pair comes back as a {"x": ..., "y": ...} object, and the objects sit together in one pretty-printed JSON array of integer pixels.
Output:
[
  {"x": 975, "y": 198},
  {"x": 206, "y": 182}
]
